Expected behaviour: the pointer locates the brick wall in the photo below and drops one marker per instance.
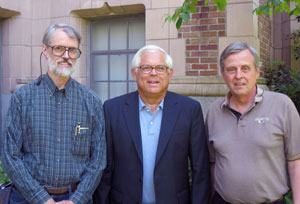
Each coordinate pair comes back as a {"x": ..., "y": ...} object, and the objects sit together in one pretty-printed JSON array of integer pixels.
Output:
[
  {"x": 265, "y": 37},
  {"x": 201, "y": 34}
]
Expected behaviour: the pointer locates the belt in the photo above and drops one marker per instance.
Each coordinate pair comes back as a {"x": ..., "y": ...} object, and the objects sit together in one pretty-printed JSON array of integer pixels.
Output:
[
  {"x": 219, "y": 198},
  {"x": 60, "y": 190}
]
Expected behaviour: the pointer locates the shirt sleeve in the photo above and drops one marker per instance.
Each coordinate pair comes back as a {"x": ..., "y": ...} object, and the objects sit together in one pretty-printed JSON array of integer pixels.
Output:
[
  {"x": 200, "y": 190},
  {"x": 208, "y": 122},
  {"x": 94, "y": 170},
  {"x": 12, "y": 157},
  {"x": 292, "y": 132}
]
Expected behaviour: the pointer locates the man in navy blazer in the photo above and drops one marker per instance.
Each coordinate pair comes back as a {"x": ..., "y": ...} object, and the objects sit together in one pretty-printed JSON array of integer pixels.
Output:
[{"x": 152, "y": 134}]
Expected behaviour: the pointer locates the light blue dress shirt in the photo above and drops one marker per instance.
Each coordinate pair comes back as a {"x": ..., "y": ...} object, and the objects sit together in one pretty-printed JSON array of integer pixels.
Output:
[{"x": 150, "y": 129}]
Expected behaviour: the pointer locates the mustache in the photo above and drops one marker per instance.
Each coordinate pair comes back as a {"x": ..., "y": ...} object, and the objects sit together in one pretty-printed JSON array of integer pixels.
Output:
[{"x": 64, "y": 61}]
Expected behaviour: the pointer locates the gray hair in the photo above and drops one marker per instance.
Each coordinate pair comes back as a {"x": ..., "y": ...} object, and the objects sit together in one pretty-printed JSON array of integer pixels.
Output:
[
  {"x": 69, "y": 30},
  {"x": 236, "y": 47},
  {"x": 150, "y": 48}
]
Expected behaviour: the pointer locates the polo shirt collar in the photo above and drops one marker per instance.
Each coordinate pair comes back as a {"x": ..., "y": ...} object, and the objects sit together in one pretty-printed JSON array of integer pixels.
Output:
[
  {"x": 258, "y": 97},
  {"x": 53, "y": 88}
]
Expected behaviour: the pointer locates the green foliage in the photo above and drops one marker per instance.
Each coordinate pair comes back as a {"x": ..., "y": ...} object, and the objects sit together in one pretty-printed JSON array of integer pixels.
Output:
[
  {"x": 269, "y": 8},
  {"x": 289, "y": 198},
  {"x": 275, "y": 6},
  {"x": 3, "y": 176},
  {"x": 189, "y": 6},
  {"x": 284, "y": 80},
  {"x": 295, "y": 43}
]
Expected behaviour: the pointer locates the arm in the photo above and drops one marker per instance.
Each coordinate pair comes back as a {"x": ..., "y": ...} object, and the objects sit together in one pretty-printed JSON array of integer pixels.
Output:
[
  {"x": 101, "y": 194},
  {"x": 94, "y": 169},
  {"x": 294, "y": 170},
  {"x": 199, "y": 159},
  {"x": 12, "y": 155},
  {"x": 212, "y": 180}
]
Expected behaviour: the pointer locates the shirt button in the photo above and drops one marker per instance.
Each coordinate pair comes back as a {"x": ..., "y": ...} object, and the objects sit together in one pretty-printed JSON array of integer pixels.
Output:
[
  {"x": 58, "y": 103},
  {"x": 58, "y": 122},
  {"x": 58, "y": 140},
  {"x": 151, "y": 123},
  {"x": 56, "y": 179},
  {"x": 57, "y": 160}
]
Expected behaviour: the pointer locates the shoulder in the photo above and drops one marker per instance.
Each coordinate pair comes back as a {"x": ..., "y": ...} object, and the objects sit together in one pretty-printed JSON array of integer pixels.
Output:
[
  {"x": 123, "y": 98},
  {"x": 185, "y": 103},
  {"x": 218, "y": 102},
  {"x": 85, "y": 92},
  {"x": 181, "y": 98},
  {"x": 280, "y": 98},
  {"x": 25, "y": 91},
  {"x": 215, "y": 107}
]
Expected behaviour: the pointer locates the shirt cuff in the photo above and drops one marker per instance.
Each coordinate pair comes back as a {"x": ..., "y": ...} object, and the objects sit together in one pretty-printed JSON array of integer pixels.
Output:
[
  {"x": 39, "y": 197},
  {"x": 79, "y": 198}
]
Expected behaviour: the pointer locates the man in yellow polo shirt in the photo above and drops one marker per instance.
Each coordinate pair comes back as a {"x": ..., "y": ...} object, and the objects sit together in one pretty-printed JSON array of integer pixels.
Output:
[{"x": 252, "y": 134}]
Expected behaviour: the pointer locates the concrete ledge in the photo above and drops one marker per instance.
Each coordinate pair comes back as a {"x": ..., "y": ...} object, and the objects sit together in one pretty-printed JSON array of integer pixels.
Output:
[
  {"x": 188, "y": 85},
  {"x": 6, "y": 13},
  {"x": 107, "y": 10},
  {"x": 203, "y": 86}
]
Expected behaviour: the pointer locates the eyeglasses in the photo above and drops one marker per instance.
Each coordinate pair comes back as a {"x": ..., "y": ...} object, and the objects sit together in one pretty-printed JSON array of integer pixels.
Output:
[
  {"x": 59, "y": 51},
  {"x": 159, "y": 69}
]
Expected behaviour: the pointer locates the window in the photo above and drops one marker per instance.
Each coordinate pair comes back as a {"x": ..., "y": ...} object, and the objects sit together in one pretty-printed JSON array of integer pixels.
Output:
[{"x": 113, "y": 45}]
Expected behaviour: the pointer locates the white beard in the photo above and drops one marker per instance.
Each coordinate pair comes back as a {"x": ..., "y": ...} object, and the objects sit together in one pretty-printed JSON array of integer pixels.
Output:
[{"x": 62, "y": 70}]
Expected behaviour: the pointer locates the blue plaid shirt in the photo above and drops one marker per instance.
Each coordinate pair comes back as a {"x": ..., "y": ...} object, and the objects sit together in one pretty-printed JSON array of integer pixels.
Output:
[{"x": 54, "y": 138}]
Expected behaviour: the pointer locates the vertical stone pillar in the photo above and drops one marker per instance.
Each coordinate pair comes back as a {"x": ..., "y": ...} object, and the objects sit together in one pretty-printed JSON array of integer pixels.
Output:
[{"x": 242, "y": 24}]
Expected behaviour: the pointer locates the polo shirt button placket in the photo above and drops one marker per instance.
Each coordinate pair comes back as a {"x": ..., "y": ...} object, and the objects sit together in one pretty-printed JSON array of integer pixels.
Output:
[{"x": 242, "y": 122}]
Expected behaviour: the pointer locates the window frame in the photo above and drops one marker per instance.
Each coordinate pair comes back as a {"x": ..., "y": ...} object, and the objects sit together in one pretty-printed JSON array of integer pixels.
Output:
[{"x": 109, "y": 53}]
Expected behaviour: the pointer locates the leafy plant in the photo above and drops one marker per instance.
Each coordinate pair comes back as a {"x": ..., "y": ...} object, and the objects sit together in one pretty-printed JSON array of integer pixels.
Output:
[
  {"x": 189, "y": 6},
  {"x": 284, "y": 80},
  {"x": 3, "y": 176},
  {"x": 289, "y": 198},
  {"x": 295, "y": 43},
  {"x": 275, "y": 6},
  {"x": 269, "y": 8}
]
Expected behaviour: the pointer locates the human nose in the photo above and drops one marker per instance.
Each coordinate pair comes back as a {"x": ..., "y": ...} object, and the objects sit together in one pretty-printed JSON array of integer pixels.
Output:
[
  {"x": 238, "y": 74},
  {"x": 153, "y": 71},
  {"x": 66, "y": 54}
]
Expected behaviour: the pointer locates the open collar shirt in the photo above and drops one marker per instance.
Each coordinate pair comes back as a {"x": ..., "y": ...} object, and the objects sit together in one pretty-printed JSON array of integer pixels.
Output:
[
  {"x": 54, "y": 138},
  {"x": 250, "y": 153},
  {"x": 150, "y": 129}
]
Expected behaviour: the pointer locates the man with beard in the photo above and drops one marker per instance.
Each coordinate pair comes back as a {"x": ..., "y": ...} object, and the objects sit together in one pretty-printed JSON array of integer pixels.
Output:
[{"x": 54, "y": 147}]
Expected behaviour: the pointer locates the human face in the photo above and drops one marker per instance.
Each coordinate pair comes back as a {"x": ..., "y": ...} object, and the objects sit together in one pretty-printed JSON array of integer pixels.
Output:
[
  {"x": 61, "y": 66},
  {"x": 152, "y": 85},
  {"x": 240, "y": 74}
]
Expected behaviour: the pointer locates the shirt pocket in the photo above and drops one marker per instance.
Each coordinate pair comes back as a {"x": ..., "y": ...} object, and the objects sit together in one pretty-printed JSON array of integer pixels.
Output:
[{"x": 81, "y": 139}]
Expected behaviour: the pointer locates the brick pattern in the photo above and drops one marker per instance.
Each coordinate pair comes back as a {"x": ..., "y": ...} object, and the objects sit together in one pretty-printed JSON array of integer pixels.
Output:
[
  {"x": 201, "y": 34},
  {"x": 265, "y": 37}
]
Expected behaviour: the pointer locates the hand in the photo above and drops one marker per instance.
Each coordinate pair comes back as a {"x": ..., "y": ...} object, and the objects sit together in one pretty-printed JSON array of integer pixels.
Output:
[
  {"x": 65, "y": 202},
  {"x": 50, "y": 201}
]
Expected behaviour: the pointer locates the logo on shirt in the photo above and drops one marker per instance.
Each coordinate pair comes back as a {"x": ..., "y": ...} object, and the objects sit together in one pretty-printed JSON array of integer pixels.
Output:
[{"x": 261, "y": 120}]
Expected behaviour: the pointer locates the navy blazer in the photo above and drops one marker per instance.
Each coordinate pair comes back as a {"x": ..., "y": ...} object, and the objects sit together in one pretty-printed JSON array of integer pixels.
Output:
[{"x": 182, "y": 138}]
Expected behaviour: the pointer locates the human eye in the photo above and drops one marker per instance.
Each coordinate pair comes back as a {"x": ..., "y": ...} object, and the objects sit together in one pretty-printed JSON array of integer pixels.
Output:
[
  {"x": 161, "y": 68},
  {"x": 73, "y": 50},
  {"x": 245, "y": 69},
  {"x": 146, "y": 68},
  {"x": 59, "y": 49},
  {"x": 230, "y": 70}
]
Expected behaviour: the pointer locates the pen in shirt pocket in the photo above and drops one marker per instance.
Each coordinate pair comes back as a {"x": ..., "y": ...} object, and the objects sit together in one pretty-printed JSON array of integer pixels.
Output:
[{"x": 79, "y": 128}]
